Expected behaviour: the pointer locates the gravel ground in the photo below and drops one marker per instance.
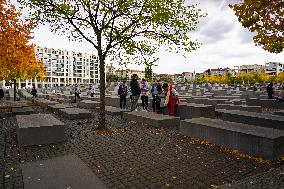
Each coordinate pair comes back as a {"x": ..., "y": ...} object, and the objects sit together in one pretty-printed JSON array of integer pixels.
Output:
[{"x": 144, "y": 157}]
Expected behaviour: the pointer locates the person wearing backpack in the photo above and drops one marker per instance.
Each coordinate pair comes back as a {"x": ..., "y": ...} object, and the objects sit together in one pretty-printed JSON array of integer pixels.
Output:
[
  {"x": 122, "y": 92},
  {"x": 135, "y": 92}
]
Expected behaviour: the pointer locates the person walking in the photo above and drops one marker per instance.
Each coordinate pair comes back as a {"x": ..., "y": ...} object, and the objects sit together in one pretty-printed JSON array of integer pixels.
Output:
[
  {"x": 34, "y": 93},
  {"x": 156, "y": 92},
  {"x": 77, "y": 93},
  {"x": 172, "y": 98},
  {"x": 269, "y": 90},
  {"x": 92, "y": 90},
  {"x": 135, "y": 92},
  {"x": 122, "y": 92},
  {"x": 144, "y": 94}
]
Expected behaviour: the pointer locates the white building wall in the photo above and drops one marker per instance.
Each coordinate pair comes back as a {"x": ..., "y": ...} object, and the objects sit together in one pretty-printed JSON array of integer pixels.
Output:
[{"x": 68, "y": 67}]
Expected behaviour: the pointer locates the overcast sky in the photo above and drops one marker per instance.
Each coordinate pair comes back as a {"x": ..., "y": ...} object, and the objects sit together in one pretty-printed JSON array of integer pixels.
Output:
[{"x": 225, "y": 43}]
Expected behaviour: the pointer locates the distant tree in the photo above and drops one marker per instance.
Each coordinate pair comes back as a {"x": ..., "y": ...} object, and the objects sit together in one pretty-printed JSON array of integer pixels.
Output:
[
  {"x": 280, "y": 78},
  {"x": 121, "y": 28},
  {"x": 264, "y": 18},
  {"x": 166, "y": 79},
  {"x": 17, "y": 56}
]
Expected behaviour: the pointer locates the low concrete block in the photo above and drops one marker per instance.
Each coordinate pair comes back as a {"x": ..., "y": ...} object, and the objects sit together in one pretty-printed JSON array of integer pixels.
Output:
[
  {"x": 88, "y": 104},
  {"x": 114, "y": 101},
  {"x": 75, "y": 113},
  {"x": 239, "y": 107},
  {"x": 56, "y": 107},
  {"x": 266, "y": 103},
  {"x": 35, "y": 129},
  {"x": 23, "y": 111},
  {"x": 279, "y": 112},
  {"x": 192, "y": 110},
  {"x": 115, "y": 111},
  {"x": 252, "y": 118},
  {"x": 260, "y": 141},
  {"x": 59, "y": 173}
]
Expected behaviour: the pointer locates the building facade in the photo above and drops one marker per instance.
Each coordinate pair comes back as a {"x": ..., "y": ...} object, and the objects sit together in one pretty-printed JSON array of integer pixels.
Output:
[
  {"x": 255, "y": 69},
  {"x": 217, "y": 72},
  {"x": 68, "y": 67},
  {"x": 274, "y": 68}
]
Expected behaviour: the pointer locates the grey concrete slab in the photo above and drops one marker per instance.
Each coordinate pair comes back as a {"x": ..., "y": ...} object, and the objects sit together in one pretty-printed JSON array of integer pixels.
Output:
[
  {"x": 67, "y": 172},
  {"x": 266, "y": 103},
  {"x": 251, "y": 139},
  {"x": 55, "y": 107},
  {"x": 279, "y": 112},
  {"x": 192, "y": 110},
  {"x": 23, "y": 111},
  {"x": 88, "y": 104},
  {"x": 115, "y": 111},
  {"x": 75, "y": 113},
  {"x": 239, "y": 107},
  {"x": 35, "y": 129},
  {"x": 252, "y": 118}
]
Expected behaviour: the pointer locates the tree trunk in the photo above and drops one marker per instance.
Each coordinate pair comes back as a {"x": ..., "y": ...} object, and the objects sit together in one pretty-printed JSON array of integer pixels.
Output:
[
  {"x": 15, "y": 96},
  {"x": 102, "y": 112}
]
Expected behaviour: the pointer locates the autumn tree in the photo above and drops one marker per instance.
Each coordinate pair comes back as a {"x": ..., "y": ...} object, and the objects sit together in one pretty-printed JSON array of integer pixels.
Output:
[
  {"x": 17, "y": 57},
  {"x": 124, "y": 29},
  {"x": 266, "y": 19}
]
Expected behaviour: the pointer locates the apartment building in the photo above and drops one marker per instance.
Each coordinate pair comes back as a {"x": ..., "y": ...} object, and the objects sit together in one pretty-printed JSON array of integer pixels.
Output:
[
  {"x": 68, "y": 67},
  {"x": 217, "y": 72},
  {"x": 274, "y": 68},
  {"x": 128, "y": 72},
  {"x": 255, "y": 68}
]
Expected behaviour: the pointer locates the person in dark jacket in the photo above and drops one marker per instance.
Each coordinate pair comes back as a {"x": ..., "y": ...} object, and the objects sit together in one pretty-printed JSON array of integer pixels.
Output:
[
  {"x": 270, "y": 91},
  {"x": 34, "y": 92},
  {"x": 122, "y": 92},
  {"x": 156, "y": 94},
  {"x": 135, "y": 92},
  {"x": 1, "y": 94}
]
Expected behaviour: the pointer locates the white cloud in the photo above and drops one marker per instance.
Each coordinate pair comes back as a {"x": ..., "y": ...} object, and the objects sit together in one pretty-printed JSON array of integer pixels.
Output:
[{"x": 225, "y": 43}]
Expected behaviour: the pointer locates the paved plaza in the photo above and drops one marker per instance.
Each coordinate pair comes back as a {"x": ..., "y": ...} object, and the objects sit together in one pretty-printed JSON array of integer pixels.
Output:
[
  {"x": 216, "y": 140},
  {"x": 143, "y": 157}
]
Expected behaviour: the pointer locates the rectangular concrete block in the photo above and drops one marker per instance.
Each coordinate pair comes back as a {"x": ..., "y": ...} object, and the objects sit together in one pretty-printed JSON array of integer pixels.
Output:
[
  {"x": 114, "y": 111},
  {"x": 88, "y": 104},
  {"x": 56, "y": 107},
  {"x": 75, "y": 113},
  {"x": 252, "y": 118},
  {"x": 35, "y": 129},
  {"x": 239, "y": 107},
  {"x": 23, "y": 111},
  {"x": 60, "y": 173},
  {"x": 192, "y": 110},
  {"x": 250, "y": 139}
]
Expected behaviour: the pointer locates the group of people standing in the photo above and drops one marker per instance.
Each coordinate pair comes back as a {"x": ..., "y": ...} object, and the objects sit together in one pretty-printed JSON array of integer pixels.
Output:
[
  {"x": 77, "y": 91},
  {"x": 164, "y": 97}
]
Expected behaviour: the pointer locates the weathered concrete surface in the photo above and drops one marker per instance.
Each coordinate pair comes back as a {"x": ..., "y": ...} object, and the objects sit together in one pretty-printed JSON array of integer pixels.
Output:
[
  {"x": 60, "y": 173},
  {"x": 75, "y": 113},
  {"x": 252, "y": 118},
  {"x": 261, "y": 141},
  {"x": 35, "y": 129}
]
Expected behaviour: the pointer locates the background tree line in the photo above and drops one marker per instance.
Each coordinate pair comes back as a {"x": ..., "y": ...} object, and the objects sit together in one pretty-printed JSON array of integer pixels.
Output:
[{"x": 243, "y": 78}]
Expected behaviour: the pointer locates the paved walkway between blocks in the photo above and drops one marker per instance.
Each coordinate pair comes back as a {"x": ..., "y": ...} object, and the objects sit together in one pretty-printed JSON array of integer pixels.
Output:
[{"x": 143, "y": 158}]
